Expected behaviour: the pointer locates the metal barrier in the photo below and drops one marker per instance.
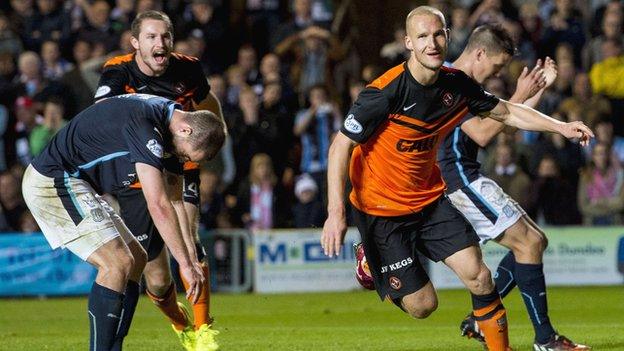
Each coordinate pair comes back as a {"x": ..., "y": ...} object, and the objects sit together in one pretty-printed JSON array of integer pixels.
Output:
[{"x": 230, "y": 255}]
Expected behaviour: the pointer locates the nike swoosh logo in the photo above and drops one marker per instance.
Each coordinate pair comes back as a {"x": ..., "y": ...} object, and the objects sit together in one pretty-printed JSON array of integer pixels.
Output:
[
  {"x": 141, "y": 88},
  {"x": 405, "y": 108}
]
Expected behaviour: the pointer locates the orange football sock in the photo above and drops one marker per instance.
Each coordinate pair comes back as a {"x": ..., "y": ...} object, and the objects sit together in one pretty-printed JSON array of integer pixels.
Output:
[
  {"x": 492, "y": 320},
  {"x": 201, "y": 309},
  {"x": 169, "y": 306}
]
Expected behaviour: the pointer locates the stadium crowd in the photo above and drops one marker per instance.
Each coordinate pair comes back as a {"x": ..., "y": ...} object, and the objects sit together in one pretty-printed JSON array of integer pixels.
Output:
[{"x": 286, "y": 75}]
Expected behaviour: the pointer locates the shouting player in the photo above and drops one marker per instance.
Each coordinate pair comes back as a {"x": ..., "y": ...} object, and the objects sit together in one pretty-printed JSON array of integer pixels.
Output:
[
  {"x": 391, "y": 136},
  {"x": 154, "y": 69},
  {"x": 101, "y": 150}
]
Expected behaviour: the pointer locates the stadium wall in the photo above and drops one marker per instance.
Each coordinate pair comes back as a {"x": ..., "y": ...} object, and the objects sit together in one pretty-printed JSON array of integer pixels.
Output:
[{"x": 293, "y": 261}]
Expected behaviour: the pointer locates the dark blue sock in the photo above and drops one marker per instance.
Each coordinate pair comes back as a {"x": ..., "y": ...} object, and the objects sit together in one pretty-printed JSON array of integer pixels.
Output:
[
  {"x": 104, "y": 314},
  {"x": 129, "y": 305},
  {"x": 504, "y": 276},
  {"x": 530, "y": 280}
]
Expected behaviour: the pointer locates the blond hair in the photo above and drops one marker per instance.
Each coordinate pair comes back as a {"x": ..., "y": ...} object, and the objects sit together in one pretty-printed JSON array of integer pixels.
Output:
[{"x": 425, "y": 11}]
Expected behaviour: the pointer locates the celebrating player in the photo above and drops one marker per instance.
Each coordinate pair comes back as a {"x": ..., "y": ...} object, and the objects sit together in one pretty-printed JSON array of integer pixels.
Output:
[
  {"x": 154, "y": 69},
  {"x": 391, "y": 136},
  {"x": 103, "y": 149}
]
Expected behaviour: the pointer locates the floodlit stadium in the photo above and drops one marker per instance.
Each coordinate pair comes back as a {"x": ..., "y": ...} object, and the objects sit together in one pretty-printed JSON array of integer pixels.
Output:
[{"x": 210, "y": 175}]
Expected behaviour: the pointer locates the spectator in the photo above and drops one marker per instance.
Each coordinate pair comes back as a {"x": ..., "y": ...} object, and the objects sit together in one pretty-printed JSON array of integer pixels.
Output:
[
  {"x": 315, "y": 127},
  {"x": 607, "y": 75},
  {"x": 10, "y": 42},
  {"x": 235, "y": 83},
  {"x": 565, "y": 26},
  {"x": 211, "y": 208},
  {"x": 274, "y": 112},
  {"x": 313, "y": 54},
  {"x": 395, "y": 51},
  {"x": 603, "y": 128},
  {"x": 11, "y": 201},
  {"x": 50, "y": 22},
  {"x": 611, "y": 30},
  {"x": 289, "y": 31},
  {"x": 99, "y": 27},
  {"x": 248, "y": 63},
  {"x": 53, "y": 113},
  {"x": 30, "y": 80},
  {"x": 54, "y": 66},
  {"x": 27, "y": 121},
  {"x": 510, "y": 176},
  {"x": 259, "y": 200},
  {"x": 23, "y": 13},
  {"x": 548, "y": 191},
  {"x": 460, "y": 31},
  {"x": 252, "y": 133},
  {"x": 583, "y": 105},
  {"x": 78, "y": 81},
  {"x": 123, "y": 13},
  {"x": 601, "y": 189},
  {"x": 202, "y": 21},
  {"x": 532, "y": 27},
  {"x": 309, "y": 211}
]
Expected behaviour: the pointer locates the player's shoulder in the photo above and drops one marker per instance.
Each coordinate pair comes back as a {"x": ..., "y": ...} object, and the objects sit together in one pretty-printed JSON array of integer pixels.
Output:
[
  {"x": 119, "y": 61},
  {"x": 384, "y": 81},
  {"x": 456, "y": 78}
]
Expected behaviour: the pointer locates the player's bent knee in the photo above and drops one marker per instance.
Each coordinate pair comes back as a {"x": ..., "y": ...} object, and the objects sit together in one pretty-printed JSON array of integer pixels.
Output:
[
  {"x": 481, "y": 283},
  {"x": 421, "y": 310}
]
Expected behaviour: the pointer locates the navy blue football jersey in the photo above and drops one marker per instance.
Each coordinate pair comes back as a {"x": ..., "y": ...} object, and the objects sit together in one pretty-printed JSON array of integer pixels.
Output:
[{"x": 102, "y": 143}]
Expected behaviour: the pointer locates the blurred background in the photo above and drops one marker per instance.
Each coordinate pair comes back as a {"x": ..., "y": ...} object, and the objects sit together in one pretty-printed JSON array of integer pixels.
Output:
[{"x": 272, "y": 62}]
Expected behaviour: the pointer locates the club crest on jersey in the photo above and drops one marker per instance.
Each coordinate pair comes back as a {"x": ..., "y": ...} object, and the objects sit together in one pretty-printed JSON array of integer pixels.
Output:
[
  {"x": 395, "y": 283},
  {"x": 447, "y": 99},
  {"x": 155, "y": 148},
  {"x": 352, "y": 125},
  {"x": 179, "y": 87}
]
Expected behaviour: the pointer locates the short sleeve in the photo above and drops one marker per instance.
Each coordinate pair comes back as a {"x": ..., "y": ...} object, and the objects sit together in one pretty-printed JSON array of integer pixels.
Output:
[
  {"x": 145, "y": 143},
  {"x": 112, "y": 82},
  {"x": 367, "y": 113},
  {"x": 203, "y": 87},
  {"x": 479, "y": 100}
]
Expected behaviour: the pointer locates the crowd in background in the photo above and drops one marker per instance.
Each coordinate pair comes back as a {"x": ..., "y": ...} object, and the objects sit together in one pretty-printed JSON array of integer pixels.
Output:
[{"x": 286, "y": 76}]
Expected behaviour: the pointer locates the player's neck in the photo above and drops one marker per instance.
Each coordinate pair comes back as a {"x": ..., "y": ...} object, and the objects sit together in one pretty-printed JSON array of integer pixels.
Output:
[
  {"x": 464, "y": 64},
  {"x": 422, "y": 74}
]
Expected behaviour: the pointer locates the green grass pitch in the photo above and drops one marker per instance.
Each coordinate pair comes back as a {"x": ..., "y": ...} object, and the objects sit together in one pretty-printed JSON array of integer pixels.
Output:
[{"x": 331, "y": 321}]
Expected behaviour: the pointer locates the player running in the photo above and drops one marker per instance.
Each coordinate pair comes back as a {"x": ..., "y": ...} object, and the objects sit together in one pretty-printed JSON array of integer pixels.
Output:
[
  {"x": 104, "y": 149},
  {"x": 155, "y": 69},
  {"x": 393, "y": 131},
  {"x": 493, "y": 214}
]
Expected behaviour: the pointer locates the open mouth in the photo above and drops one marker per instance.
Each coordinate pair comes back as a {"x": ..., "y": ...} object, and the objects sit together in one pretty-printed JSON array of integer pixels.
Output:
[{"x": 160, "y": 57}]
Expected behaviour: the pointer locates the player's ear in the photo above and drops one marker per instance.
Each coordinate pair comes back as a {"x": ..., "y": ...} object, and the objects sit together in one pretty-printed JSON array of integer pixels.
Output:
[
  {"x": 480, "y": 54},
  {"x": 135, "y": 43},
  {"x": 408, "y": 43}
]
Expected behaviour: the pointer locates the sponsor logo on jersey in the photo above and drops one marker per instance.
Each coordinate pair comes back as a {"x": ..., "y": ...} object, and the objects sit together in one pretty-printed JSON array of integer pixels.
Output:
[
  {"x": 142, "y": 237},
  {"x": 101, "y": 91},
  {"x": 405, "y": 108},
  {"x": 352, "y": 125},
  {"x": 419, "y": 145},
  {"x": 394, "y": 266},
  {"x": 155, "y": 148}
]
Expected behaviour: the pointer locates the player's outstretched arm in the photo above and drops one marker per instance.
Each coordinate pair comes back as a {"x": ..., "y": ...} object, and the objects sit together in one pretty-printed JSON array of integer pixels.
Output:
[
  {"x": 163, "y": 214},
  {"x": 524, "y": 117},
  {"x": 174, "y": 192},
  {"x": 335, "y": 226}
]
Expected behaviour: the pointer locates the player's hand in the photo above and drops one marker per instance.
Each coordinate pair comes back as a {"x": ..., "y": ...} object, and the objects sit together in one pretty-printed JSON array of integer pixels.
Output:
[
  {"x": 550, "y": 71},
  {"x": 577, "y": 130},
  {"x": 334, "y": 231},
  {"x": 530, "y": 82},
  {"x": 195, "y": 281}
]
